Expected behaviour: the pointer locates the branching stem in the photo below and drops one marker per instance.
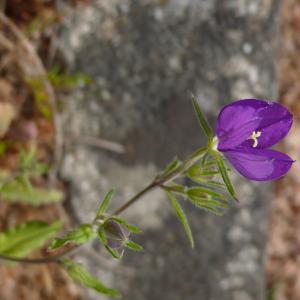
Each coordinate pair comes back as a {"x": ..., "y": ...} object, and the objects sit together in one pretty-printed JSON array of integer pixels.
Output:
[{"x": 160, "y": 181}]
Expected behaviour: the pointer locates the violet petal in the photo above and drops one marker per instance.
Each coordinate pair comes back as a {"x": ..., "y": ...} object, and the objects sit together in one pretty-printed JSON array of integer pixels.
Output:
[
  {"x": 114, "y": 243},
  {"x": 275, "y": 125},
  {"x": 116, "y": 230},
  {"x": 259, "y": 164},
  {"x": 238, "y": 120}
]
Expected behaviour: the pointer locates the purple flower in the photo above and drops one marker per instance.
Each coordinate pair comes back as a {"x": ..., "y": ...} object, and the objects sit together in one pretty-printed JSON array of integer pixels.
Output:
[
  {"x": 116, "y": 234},
  {"x": 246, "y": 129}
]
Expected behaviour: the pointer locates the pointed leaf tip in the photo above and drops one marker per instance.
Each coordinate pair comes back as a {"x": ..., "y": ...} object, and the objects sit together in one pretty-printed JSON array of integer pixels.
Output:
[
  {"x": 105, "y": 203},
  {"x": 182, "y": 217},
  {"x": 202, "y": 120},
  {"x": 79, "y": 274},
  {"x": 134, "y": 246}
]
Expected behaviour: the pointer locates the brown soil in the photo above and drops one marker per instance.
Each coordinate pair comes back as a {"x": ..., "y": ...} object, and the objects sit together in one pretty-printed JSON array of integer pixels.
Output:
[
  {"x": 283, "y": 265},
  {"x": 22, "y": 124}
]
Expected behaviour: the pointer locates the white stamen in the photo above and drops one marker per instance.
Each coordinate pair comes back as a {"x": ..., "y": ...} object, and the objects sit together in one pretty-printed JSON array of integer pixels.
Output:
[{"x": 255, "y": 135}]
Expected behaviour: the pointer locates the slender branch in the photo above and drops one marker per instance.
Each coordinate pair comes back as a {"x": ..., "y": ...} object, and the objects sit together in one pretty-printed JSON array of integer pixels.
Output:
[
  {"x": 134, "y": 199},
  {"x": 99, "y": 143},
  {"x": 159, "y": 181}
]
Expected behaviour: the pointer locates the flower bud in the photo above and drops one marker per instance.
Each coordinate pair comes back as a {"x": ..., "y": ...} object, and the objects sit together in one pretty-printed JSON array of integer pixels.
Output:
[{"x": 116, "y": 234}]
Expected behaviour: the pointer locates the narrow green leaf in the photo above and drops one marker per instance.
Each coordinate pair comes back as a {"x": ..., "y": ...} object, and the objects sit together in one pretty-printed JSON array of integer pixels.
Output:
[
  {"x": 81, "y": 235},
  {"x": 225, "y": 176},
  {"x": 176, "y": 188},
  {"x": 79, "y": 274},
  {"x": 209, "y": 202},
  {"x": 202, "y": 120},
  {"x": 19, "y": 241},
  {"x": 134, "y": 246},
  {"x": 182, "y": 217},
  {"x": 212, "y": 209},
  {"x": 105, "y": 203},
  {"x": 209, "y": 173},
  {"x": 16, "y": 191},
  {"x": 212, "y": 183},
  {"x": 209, "y": 163}
]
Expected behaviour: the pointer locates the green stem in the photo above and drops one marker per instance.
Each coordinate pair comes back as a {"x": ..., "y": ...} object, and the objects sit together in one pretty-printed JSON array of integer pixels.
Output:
[
  {"x": 135, "y": 198},
  {"x": 159, "y": 181},
  {"x": 164, "y": 179}
]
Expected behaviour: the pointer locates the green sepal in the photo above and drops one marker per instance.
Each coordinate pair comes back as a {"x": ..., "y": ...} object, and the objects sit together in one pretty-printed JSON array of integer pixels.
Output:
[
  {"x": 176, "y": 188},
  {"x": 133, "y": 246},
  {"x": 209, "y": 202},
  {"x": 113, "y": 252},
  {"x": 194, "y": 171},
  {"x": 182, "y": 217},
  {"x": 202, "y": 192},
  {"x": 83, "y": 234},
  {"x": 102, "y": 236},
  {"x": 202, "y": 120},
  {"x": 209, "y": 173},
  {"x": 207, "y": 170},
  {"x": 211, "y": 209},
  {"x": 80, "y": 275},
  {"x": 209, "y": 183},
  {"x": 130, "y": 227}
]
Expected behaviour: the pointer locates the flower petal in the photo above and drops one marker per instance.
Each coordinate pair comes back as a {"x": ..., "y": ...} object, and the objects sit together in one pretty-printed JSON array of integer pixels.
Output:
[
  {"x": 115, "y": 230},
  {"x": 238, "y": 120},
  {"x": 275, "y": 125},
  {"x": 114, "y": 243},
  {"x": 259, "y": 164}
]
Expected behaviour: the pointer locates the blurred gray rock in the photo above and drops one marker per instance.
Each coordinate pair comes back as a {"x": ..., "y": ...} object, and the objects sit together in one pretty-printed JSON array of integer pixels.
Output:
[{"x": 146, "y": 58}]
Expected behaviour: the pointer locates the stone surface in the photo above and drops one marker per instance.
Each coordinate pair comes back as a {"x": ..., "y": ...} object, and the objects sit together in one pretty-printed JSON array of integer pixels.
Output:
[{"x": 146, "y": 58}]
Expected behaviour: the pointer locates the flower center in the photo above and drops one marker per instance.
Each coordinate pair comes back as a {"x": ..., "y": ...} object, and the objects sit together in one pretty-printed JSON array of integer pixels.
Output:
[{"x": 255, "y": 135}]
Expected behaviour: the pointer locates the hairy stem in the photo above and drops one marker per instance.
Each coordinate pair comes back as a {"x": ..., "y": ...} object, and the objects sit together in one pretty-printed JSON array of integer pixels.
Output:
[
  {"x": 159, "y": 181},
  {"x": 135, "y": 198}
]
